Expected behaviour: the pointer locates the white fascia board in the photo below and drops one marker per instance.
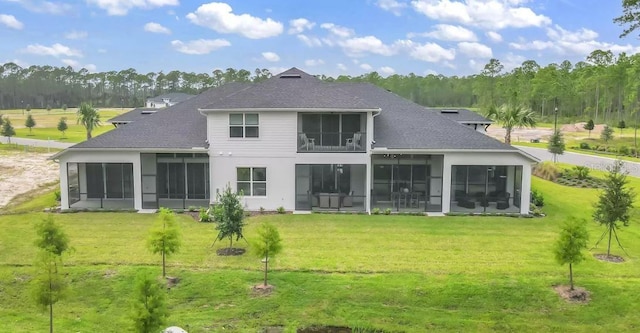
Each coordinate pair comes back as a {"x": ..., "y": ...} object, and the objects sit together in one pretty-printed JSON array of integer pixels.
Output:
[
  {"x": 205, "y": 111},
  {"x": 140, "y": 150},
  {"x": 381, "y": 151}
]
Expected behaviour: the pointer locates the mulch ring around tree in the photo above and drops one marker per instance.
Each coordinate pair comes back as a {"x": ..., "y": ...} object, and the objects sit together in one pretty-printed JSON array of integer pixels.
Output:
[
  {"x": 577, "y": 295},
  {"x": 325, "y": 329},
  {"x": 172, "y": 281},
  {"x": 262, "y": 290},
  {"x": 230, "y": 251},
  {"x": 609, "y": 258}
]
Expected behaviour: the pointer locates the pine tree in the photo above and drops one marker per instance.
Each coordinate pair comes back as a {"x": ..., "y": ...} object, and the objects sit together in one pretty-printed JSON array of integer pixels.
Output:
[
  {"x": 589, "y": 126},
  {"x": 556, "y": 145},
  {"x": 30, "y": 123},
  {"x": 62, "y": 125},
  {"x": 7, "y": 129}
]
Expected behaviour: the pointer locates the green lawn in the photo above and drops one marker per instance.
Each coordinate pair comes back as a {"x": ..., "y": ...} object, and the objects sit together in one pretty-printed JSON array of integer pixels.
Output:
[
  {"x": 47, "y": 123},
  {"x": 394, "y": 273}
]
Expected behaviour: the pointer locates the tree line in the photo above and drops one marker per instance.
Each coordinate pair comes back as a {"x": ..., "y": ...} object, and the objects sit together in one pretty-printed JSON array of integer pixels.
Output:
[{"x": 603, "y": 86}]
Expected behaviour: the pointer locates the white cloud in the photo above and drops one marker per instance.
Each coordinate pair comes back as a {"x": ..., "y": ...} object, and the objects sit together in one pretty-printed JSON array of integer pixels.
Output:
[
  {"x": 452, "y": 33},
  {"x": 494, "y": 36},
  {"x": 313, "y": 62},
  {"x": 156, "y": 28},
  {"x": 90, "y": 67},
  {"x": 392, "y": 6},
  {"x": 55, "y": 50},
  {"x": 337, "y": 30},
  {"x": 122, "y": 7},
  {"x": 488, "y": 14},
  {"x": 76, "y": 65},
  {"x": 386, "y": 70},
  {"x": 270, "y": 56},
  {"x": 429, "y": 52},
  {"x": 76, "y": 34},
  {"x": 219, "y": 17},
  {"x": 18, "y": 62},
  {"x": 359, "y": 46},
  {"x": 341, "y": 67},
  {"x": 11, "y": 22},
  {"x": 47, "y": 7},
  {"x": 299, "y": 25},
  {"x": 310, "y": 41},
  {"x": 199, "y": 46},
  {"x": 366, "y": 67},
  {"x": 475, "y": 50}
]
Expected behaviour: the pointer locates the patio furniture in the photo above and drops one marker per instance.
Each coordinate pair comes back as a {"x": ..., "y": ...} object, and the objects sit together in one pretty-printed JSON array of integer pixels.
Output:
[
  {"x": 503, "y": 201},
  {"x": 307, "y": 143},
  {"x": 347, "y": 200},
  {"x": 334, "y": 200},
  {"x": 354, "y": 143},
  {"x": 323, "y": 199}
]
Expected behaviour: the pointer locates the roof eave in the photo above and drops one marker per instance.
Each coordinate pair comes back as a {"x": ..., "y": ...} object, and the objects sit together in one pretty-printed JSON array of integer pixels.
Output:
[
  {"x": 385, "y": 150},
  {"x": 205, "y": 111}
]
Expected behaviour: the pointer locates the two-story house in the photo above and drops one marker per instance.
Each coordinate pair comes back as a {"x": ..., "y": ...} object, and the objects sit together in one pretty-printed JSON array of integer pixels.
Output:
[
  {"x": 296, "y": 142},
  {"x": 166, "y": 100}
]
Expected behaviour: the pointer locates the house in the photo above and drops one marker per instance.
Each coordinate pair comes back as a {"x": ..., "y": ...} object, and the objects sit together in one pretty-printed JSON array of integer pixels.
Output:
[
  {"x": 167, "y": 100},
  {"x": 466, "y": 117},
  {"x": 296, "y": 142}
]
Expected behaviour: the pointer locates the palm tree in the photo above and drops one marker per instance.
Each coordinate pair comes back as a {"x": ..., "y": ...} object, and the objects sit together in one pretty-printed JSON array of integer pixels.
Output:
[
  {"x": 512, "y": 116},
  {"x": 88, "y": 117}
]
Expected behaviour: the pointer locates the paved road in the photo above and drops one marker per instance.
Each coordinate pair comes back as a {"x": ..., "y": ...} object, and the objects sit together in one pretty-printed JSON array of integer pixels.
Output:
[
  {"x": 38, "y": 143},
  {"x": 594, "y": 162}
]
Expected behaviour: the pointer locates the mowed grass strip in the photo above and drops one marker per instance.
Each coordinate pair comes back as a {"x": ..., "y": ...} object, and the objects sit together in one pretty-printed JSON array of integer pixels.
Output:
[{"x": 397, "y": 273}]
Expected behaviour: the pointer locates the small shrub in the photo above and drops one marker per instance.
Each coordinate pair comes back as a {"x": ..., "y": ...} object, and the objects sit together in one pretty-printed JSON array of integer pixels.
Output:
[
  {"x": 581, "y": 172},
  {"x": 56, "y": 194},
  {"x": 623, "y": 150},
  {"x": 387, "y": 211},
  {"x": 584, "y": 145},
  {"x": 547, "y": 170},
  {"x": 262, "y": 210},
  {"x": 192, "y": 208},
  {"x": 602, "y": 148},
  {"x": 64, "y": 107},
  {"x": 204, "y": 216},
  {"x": 281, "y": 210},
  {"x": 537, "y": 199},
  {"x": 376, "y": 211}
]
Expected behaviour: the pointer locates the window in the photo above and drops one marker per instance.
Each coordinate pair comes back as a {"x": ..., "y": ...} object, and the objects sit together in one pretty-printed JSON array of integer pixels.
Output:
[
  {"x": 244, "y": 125},
  {"x": 252, "y": 181}
]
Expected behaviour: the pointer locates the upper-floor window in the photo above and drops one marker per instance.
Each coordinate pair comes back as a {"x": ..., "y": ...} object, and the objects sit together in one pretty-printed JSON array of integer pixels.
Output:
[{"x": 244, "y": 125}]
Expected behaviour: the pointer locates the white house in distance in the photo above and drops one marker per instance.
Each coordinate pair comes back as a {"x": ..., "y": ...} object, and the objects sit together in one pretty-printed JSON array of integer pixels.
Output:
[
  {"x": 296, "y": 142},
  {"x": 167, "y": 100}
]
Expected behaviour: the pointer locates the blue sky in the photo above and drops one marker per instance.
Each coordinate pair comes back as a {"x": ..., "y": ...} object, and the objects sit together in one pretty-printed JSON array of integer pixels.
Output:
[{"x": 450, "y": 37}]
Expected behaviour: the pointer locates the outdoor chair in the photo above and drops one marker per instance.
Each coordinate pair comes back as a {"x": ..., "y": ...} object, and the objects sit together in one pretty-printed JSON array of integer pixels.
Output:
[
  {"x": 354, "y": 143},
  {"x": 307, "y": 143}
]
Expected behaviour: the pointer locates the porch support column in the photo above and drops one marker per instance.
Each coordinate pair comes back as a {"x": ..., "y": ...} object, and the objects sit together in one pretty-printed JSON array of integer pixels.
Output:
[
  {"x": 64, "y": 186},
  {"x": 369, "y": 180},
  {"x": 446, "y": 184},
  {"x": 525, "y": 196},
  {"x": 137, "y": 184}
]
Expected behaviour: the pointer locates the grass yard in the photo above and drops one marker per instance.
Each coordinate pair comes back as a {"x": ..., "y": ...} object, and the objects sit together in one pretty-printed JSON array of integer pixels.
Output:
[
  {"x": 391, "y": 273},
  {"x": 47, "y": 123}
]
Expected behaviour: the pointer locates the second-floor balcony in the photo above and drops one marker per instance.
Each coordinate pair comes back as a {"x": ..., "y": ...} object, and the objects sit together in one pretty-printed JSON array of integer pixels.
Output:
[{"x": 331, "y": 142}]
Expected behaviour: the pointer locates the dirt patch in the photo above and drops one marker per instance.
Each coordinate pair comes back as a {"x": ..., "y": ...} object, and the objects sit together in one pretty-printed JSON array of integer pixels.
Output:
[
  {"x": 230, "y": 251},
  {"x": 577, "y": 295},
  {"x": 262, "y": 290},
  {"x": 172, "y": 281},
  {"x": 609, "y": 258},
  {"x": 24, "y": 172},
  {"x": 519, "y": 134}
]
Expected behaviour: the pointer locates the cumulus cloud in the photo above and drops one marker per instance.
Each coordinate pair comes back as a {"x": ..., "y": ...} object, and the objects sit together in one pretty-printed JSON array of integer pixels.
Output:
[
  {"x": 392, "y": 6},
  {"x": 475, "y": 50},
  {"x": 270, "y": 56},
  {"x": 219, "y": 17},
  {"x": 299, "y": 25},
  {"x": 310, "y": 41},
  {"x": 341, "y": 67},
  {"x": 313, "y": 62},
  {"x": 359, "y": 46},
  {"x": 494, "y": 36},
  {"x": 447, "y": 32},
  {"x": 199, "y": 46},
  {"x": 386, "y": 70},
  {"x": 55, "y": 50},
  {"x": 337, "y": 30},
  {"x": 122, "y": 7},
  {"x": 487, "y": 14},
  {"x": 156, "y": 28},
  {"x": 366, "y": 67},
  {"x": 429, "y": 52},
  {"x": 76, "y": 34},
  {"x": 11, "y": 22}
]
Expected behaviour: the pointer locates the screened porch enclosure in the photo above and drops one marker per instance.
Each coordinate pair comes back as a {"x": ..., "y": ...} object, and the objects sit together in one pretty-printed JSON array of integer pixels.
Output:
[
  {"x": 175, "y": 180},
  {"x": 407, "y": 183},
  {"x": 486, "y": 188},
  {"x": 100, "y": 185},
  {"x": 331, "y": 187},
  {"x": 331, "y": 132}
]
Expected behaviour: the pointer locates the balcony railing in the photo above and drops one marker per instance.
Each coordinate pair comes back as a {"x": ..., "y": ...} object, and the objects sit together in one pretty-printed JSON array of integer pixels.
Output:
[{"x": 330, "y": 142}]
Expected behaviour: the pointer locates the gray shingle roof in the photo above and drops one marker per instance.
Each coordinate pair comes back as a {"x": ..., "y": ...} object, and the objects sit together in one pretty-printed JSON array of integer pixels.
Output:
[
  {"x": 133, "y": 115},
  {"x": 462, "y": 115},
  {"x": 401, "y": 124},
  {"x": 294, "y": 89}
]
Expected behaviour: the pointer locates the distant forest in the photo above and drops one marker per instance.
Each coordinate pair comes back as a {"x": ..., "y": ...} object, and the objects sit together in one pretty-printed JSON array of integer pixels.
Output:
[{"x": 604, "y": 87}]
